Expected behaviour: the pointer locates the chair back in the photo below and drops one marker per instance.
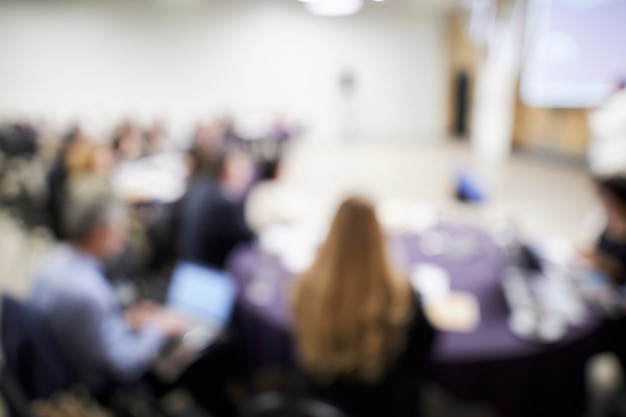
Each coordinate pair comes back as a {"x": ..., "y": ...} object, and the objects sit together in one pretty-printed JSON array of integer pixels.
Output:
[
  {"x": 32, "y": 358},
  {"x": 16, "y": 403}
]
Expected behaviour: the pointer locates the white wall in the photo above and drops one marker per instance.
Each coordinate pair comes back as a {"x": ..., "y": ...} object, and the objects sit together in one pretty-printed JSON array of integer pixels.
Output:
[{"x": 66, "y": 61}]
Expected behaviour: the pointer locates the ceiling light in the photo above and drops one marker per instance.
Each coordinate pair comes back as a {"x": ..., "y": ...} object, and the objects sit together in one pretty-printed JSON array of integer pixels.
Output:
[{"x": 334, "y": 8}]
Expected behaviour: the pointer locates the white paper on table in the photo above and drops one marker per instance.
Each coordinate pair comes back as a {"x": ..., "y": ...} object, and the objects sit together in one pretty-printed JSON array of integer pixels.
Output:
[
  {"x": 456, "y": 312},
  {"x": 422, "y": 217},
  {"x": 556, "y": 250},
  {"x": 404, "y": 215},
  {"x": 396, "y": 214},
  {"x": 431, "y": 281},
  {"x": 295, "y": 245},
  {"x": 434, "y": 243},
  {"x": 160, "y": 178}
]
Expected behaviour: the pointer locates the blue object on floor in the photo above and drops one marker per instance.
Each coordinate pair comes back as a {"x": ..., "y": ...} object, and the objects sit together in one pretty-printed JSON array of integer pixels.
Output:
[{"x": 469, "y": 188}]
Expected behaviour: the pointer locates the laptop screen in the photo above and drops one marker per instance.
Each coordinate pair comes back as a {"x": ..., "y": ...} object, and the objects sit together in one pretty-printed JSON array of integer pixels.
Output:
[{"x": 203, "y": 294}]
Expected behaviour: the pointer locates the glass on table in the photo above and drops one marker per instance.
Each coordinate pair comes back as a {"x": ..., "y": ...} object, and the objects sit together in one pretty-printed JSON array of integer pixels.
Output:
[{"x": 262, "y": 284}]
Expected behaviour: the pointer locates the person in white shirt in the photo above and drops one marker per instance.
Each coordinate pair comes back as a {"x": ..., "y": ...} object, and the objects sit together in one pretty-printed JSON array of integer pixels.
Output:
[
  {"x": 273, "y": 202},
  {"x": 606, "y": 153}
]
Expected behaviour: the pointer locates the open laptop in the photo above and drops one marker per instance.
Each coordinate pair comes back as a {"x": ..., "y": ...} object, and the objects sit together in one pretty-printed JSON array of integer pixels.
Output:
[{"x": 206, "y": 297}]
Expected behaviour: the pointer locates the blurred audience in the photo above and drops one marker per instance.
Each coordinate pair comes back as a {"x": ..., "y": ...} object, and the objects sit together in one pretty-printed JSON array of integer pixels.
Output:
[
  {"x": 57, "y": 180},
  {"x": 361, "y": 331},
  {"x": 232, "y": 139},
  {"x": 19, "y": 139},
  {"x": 362, "y": 336},
  {"x": 128, "y": 142},
  {"x": 108, "y": 347},
  {"x": 157, "y": 141},
  {"x": 89, "y": 165},
  {"x": 212, "y": 221},
  {"x": 208, "y": 139}
]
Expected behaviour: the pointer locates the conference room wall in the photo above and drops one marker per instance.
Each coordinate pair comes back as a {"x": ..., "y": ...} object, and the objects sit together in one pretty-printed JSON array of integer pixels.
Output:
[{"x": 102, "y": 61}]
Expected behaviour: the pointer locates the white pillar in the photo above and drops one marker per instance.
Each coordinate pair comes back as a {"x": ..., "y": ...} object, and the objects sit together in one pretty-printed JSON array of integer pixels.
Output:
[
  {"x": 494, "y": 108},
  {"x": 495, "y": 93}
]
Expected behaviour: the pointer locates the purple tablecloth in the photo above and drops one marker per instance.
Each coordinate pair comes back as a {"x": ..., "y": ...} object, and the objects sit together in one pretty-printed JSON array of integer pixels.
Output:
[{"x": 490, "y": 364}]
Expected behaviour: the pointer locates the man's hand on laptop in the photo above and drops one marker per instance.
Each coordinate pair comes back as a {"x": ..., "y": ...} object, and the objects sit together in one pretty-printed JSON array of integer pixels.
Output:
[
  {"x": 141, "y": 313},
  {"x": 145, "y": 312},
  {"x": 174, "y": 324}
]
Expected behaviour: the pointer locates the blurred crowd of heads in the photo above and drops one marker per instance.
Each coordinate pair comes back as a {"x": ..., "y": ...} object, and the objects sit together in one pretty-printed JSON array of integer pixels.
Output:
[
  {"x": 209, "y": 146},
  {"x": 80, "y": 162}
]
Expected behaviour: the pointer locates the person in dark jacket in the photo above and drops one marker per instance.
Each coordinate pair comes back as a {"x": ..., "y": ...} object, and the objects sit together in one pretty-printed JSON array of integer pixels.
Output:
[
  {"x": 211, "y": 218},
  {"x": 610, "y": 252}
]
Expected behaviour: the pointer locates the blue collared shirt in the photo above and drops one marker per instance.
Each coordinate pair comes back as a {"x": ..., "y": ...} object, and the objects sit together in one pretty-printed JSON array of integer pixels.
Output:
[{"x": 83, "y": 313}]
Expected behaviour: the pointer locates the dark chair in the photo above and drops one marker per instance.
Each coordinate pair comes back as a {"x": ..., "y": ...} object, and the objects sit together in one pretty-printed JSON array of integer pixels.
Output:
[
  {"x": 56, "y": 181},
  {"x": 34, "y": 367},
  {"x": 16, "y": 403},
  {"x": 163, "y": 225},
  {"x": 279, "y": 405},
  {"x": 32, "y": 357},
  {"x": 19, "y": 140}
]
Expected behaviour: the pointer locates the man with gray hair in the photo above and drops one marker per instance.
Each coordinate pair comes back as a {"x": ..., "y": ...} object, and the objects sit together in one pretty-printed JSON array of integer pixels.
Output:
[{"x": 102, "y": 343}]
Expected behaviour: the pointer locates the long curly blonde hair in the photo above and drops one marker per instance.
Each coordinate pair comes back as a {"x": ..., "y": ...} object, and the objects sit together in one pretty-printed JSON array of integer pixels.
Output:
[{"x": 351, "y": 308}]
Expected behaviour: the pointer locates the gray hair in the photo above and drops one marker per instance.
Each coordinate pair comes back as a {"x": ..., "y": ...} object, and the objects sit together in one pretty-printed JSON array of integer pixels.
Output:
[{"x": 83, "y": 215}]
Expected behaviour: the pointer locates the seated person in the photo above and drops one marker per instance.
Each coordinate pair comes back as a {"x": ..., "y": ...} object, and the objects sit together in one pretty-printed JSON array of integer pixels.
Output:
[
  {"x": 128, "y": 142},
  {"x": 102, "y": 343},
  {"x": 211, "y": 219},
  {"x": 57, "y": 181},
  {"x": 362, "y": 335},
  {"x": 157, "y": 141},
  {"x": 272, "y": 201},
  {"x": 90, "y": 165},
  {"x": 610, "y": 252},
  {"x": 606, "y": 151},
  {"x": 207, "y": 140}
]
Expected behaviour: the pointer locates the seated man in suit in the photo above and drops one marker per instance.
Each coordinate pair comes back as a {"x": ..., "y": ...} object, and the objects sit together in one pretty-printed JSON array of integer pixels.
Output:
[
  {"x": 102, "y": 343},
  {"x": 212, "y": 219}
]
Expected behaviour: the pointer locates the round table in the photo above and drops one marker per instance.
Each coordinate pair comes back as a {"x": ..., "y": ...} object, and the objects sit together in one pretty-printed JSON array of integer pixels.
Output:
[{"x": 489, "y": 365}]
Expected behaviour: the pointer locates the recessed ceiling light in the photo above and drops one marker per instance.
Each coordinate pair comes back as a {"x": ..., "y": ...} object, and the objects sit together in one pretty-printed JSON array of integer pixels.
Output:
[{"x": 334, "y": 8}]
